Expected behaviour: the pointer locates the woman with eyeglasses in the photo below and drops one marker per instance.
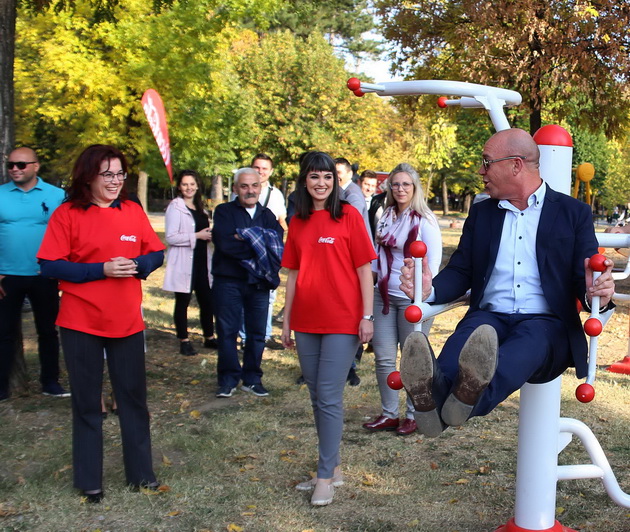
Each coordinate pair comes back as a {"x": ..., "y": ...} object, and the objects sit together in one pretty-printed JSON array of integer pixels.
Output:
[
  {"x": 100, "y": 245},
  {"x": 189, "y": 255},
  {"x": 328, "y": 303},
  {"x": 406, "y": 218}
]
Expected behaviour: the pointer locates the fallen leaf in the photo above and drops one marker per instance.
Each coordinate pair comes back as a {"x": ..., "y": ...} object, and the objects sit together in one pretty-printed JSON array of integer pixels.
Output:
[
  {"x": 234, "y": 528},
  {"x": 254, "y": 479},
  {"x": 173, "y": 513},
  {"x": 462, "y": 481},
  {"x": 195, "y": 414},
  {"x": 194, "y": 382},
  {"x": 247, "y": 514},
  {"x": 166, "y": 461},
  {"x": 434, "y": 466}
]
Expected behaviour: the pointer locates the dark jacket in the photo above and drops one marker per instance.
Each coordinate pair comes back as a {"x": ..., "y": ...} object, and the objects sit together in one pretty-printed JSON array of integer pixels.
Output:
[{"x": 230, "y": 251}]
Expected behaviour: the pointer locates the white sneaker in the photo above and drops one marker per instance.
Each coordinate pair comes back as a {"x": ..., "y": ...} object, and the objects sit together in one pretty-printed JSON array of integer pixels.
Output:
[
  {"x": 308, "y": 485},
  {"x": 322, "y": 494}
]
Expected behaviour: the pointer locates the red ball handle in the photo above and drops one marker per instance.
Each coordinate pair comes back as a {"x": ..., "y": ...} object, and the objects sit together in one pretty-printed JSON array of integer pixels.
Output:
[
  {"x": 597, "y": 263},
  {"x": 394, "y": 381},
  {"x": 442, "y": 102},
  {"x": 593, "y": 327},
  {"x": 413, "y": 314},
  {"x": 354, "y": 84},
  {"x": 418, "y": 249},
  {"x": 585, "y": 393}
]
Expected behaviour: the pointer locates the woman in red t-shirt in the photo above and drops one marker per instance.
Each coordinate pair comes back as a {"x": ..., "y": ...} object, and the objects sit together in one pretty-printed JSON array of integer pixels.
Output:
[
  {"x": 100, "y": 245},
  {"x": 329, "y": 300}
]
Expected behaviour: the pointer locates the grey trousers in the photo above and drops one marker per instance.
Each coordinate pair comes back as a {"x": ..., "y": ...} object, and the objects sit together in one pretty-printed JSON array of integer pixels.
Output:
[
  {"x": 325, "y": 360},
  {"x": 390, "y": 332}
]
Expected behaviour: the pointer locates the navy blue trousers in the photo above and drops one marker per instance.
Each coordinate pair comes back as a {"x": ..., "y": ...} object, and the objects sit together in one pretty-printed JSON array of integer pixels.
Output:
[
  {"x": 532, "y": 348},
  {"x": 233, "y": 301}
]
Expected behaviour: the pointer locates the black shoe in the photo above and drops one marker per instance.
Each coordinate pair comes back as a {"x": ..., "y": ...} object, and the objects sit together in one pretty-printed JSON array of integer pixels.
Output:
[
  {"x": 300, "y": 380},
  {"x": 353, "y": 379},
  {"x": 273, "y": 344},
  {"x": 153, "y": 486},
  {"x": 225, "y": 391},
  {"x": 93, "y": 498},
  {"x": 187, "y": 349},
  {"x": 279, "y": 318},
  {"x": 210, "y": 343},
  {"x": 54, "y": 389},
  {"x": 256, "y": 389}
]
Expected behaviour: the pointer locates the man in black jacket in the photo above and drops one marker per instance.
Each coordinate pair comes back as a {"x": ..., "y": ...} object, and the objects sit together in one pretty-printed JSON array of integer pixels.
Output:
[{"x": 247, "y": 251}]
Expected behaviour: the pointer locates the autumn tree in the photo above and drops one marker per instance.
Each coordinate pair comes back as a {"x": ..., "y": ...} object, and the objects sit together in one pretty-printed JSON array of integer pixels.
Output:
[{"x": 548, "y": 51}]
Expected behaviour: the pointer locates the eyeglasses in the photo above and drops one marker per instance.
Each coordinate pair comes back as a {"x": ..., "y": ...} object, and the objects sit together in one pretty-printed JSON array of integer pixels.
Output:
[
  {"x": 108, "y": 177},
  {"x": 398, "y": 186},
  {"x": 20, "y": 164},
  {"x": 486, "y": 163}
]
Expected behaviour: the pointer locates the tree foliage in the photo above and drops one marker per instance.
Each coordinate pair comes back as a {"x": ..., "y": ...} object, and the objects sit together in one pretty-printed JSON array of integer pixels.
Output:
[{"x": 549, "y": 51}]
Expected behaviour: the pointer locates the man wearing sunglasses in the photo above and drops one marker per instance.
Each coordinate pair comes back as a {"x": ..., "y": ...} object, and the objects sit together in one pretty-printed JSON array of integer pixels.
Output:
[
  {"x": 524, "y": 256},
  {"x": 26, "y": 204}
]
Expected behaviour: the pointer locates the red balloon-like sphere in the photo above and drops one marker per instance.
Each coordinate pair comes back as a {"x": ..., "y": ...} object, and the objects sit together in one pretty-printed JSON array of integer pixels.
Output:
[
  {"x": 413, "y": 314},
  {"x": 354, "y": 84},
  {"x": 442, "y": 102},
  {"x": 394, "y": 381},
  {"x": 585, "y": 393},
  {"x": 418, "y": 249},
  {"x": 593, "y": 327},
  {"x": 359, "y": 93},
  {"x": 597, "y": 263}
]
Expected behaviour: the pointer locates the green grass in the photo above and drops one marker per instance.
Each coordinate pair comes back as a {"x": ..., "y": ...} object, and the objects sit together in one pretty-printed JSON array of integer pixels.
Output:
[{"x": 232, "y": 464}]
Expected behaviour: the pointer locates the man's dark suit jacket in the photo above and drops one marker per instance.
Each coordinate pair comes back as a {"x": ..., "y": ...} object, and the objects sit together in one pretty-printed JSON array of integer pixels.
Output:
[{"x": 565, "y": 237}]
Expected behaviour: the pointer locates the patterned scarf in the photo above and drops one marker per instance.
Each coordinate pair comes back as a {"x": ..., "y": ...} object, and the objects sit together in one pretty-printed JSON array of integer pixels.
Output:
[{"x": 394, "y": 231}]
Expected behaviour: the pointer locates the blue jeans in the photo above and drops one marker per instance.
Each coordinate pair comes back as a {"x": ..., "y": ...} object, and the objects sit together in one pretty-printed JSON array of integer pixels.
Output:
[{"x": 234, "y": 299}]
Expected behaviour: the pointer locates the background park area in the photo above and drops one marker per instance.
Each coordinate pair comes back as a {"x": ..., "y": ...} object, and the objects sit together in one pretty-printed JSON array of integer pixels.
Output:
[{"x": 232, "y": 464}]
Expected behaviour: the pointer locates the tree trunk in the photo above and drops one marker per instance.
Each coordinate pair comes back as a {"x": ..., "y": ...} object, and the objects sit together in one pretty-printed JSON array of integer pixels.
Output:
[
  {"x": 216, "y": 190},
  {"x": 8, "y": 12},
  {"x": 143, "y": 182},
  {"x": 445, "y": 197}
]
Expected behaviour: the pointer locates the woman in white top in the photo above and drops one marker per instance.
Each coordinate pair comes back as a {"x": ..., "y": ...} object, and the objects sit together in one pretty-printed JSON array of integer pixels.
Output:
[{"x": 406, "y": 218}]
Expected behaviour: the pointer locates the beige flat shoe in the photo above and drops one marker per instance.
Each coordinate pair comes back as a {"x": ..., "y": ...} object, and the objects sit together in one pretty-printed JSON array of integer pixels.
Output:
[
  {"x": 308, "y": 485},
  {"x": 322, "y": 494}
]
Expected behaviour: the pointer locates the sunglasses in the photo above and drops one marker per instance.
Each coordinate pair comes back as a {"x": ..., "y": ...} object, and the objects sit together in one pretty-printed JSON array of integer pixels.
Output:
[{"x": 20, "y": 164}]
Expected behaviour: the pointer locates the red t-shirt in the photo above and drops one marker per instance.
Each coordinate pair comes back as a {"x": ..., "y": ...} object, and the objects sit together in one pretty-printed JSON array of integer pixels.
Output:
[
  {"x": 327, "y": 253},
  {"x": 108, "y": 307}
]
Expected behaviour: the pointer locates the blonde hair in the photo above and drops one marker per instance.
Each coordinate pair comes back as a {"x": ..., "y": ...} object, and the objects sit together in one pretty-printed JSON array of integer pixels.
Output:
[{"x": 418, "y": 203}]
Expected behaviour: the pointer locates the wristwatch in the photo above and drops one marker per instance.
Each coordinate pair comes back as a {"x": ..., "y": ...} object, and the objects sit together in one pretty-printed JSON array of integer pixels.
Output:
[{"x": 369, "y": 318}]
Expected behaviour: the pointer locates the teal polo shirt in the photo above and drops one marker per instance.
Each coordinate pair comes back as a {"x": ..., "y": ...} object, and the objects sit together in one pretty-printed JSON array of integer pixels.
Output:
[{"x": 23, "y": 220}]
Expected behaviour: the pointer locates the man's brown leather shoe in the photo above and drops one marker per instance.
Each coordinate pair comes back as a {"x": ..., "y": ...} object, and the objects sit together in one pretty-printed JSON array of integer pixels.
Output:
[
  {"x": 382, "y": 423},
  {"x": 407, "y": 427}
]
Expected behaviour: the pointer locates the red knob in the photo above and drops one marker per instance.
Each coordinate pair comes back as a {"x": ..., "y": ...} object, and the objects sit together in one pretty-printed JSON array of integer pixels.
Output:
[
  {"x": 585, "y": 393},
  {"x": 593, "y": 327},
  {"x": 442, "y": 102},
  {"x": 359, "y": 93},
  {"x": 394, "y": 381},
  {"x": 418, "y": 249},
  {"x": 354, "y": 84},
  {"x": 413, "y": 314},
  {"x": 597, "y": 263}
]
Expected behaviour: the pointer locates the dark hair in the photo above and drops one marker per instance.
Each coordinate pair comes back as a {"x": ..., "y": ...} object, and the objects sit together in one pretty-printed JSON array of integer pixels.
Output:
[
  {"x": 370, "y": 174},
  {"x": 262, "y": 156},
  {"x": 316, "y": 161},
  {"x": 197, "y": 197},
  {"x": 86, "y": 170},
  {"x": 344, "y": 162}
]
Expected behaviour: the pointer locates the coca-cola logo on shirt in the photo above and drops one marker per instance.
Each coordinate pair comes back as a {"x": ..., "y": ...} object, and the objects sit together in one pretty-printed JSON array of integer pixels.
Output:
[
  {"x": 127, "y": 238},
  {"x": 326, "y": 240}
]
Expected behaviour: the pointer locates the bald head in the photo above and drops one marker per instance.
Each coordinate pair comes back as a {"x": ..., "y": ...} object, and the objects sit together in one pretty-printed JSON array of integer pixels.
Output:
[
  {"x": 25, "y": 177},
  {"x": 518, "y": 142},
  {"x": 510, "y": 168}
]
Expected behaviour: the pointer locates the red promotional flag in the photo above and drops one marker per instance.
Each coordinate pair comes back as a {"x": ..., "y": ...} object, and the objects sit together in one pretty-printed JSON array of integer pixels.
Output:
[{"x": 156, "y": 115}]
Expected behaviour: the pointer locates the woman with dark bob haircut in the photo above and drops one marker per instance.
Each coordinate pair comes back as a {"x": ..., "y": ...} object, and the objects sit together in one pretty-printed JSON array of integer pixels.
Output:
[
  {"x": 329, "y": 296},
  {"x": 100, "y": 245}
]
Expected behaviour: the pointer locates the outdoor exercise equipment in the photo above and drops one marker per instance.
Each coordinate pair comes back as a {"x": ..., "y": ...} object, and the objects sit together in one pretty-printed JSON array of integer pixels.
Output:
[{"x": 542, "y": 433}]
